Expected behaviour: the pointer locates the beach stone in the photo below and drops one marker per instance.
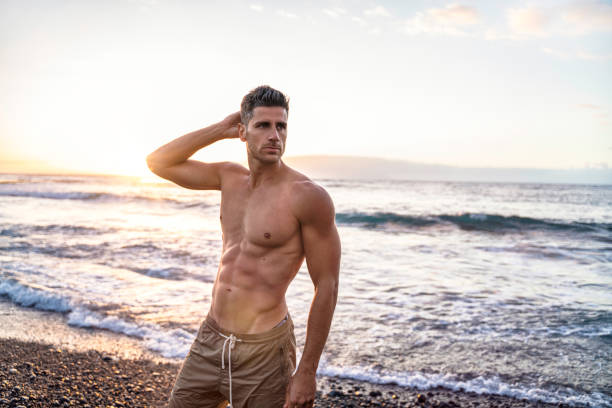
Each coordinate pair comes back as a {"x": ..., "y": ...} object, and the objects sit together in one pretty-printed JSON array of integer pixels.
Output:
[
  {"x": 335, "y": 393},
  {"x": 375, "y": 394},
  {"x": 421, "y": 398},
  {"x": 13, "y": 371}
]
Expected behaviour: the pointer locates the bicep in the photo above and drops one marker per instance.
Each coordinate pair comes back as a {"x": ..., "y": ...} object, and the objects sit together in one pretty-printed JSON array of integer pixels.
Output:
[
  {"x": 194, "y": 175},
  {"x": 321, "y": 245}
]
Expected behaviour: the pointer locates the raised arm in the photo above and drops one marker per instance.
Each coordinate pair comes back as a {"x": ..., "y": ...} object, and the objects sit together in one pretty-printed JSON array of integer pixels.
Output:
[
  {"x": 322, "y": 249},
  {"x": 171, "y": 160}
]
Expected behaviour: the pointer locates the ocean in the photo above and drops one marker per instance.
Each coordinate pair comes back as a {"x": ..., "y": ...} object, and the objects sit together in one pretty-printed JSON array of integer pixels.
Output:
[{"x": 494, "y": 288}]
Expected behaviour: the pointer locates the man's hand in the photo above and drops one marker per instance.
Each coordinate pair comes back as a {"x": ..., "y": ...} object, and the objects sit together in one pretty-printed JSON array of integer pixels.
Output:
[
  {"x": 230, "y": 124},
  {"x": 301, "y": 390}
]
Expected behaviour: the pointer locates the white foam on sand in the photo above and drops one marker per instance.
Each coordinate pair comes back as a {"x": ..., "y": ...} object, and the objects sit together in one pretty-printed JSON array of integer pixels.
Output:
[
  {"x": 479, "y": 385},
  {"x": 173, "y": 343},
  {"x": 29, "y": 296}
]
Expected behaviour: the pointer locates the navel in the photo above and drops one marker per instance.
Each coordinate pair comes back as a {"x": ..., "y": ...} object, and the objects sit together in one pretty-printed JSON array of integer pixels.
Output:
[{"x": 267, "y": 235}]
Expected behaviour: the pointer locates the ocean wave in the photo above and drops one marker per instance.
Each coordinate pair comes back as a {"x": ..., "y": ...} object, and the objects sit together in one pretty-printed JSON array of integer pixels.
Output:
[
  {"x": 30, "y": 296},
  {"x": 24, "y": 230},
  {"x": 469, "y": 221},
  {"x": 103, "y": 197},
  {"x": 480, "y": 385},
  {"x": 128, "y": 257},
  {"x": 173, "y": 343}
]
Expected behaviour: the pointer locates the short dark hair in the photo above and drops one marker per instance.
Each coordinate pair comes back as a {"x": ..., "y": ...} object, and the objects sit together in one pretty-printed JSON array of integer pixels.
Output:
[{"x": 263, "y": 95}]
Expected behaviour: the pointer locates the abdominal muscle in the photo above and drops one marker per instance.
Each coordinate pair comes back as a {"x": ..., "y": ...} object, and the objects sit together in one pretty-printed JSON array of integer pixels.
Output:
[{"x": 249, "y": 293}]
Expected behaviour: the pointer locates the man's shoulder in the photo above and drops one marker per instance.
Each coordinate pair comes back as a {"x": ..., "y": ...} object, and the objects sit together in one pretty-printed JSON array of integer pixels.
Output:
[
  {"x": 231, "y": 172},
  {"x": 233, "y": 168},
  {"x": 303, "y": 188},
  {"x": 309, "y": 200}
]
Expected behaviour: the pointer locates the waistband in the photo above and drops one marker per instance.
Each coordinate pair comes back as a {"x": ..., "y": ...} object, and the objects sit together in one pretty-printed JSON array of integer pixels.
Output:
[{"x": 268, "y": 335}]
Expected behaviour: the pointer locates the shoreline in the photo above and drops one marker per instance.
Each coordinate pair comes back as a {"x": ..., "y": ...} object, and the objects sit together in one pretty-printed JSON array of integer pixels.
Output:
[
  {"x": 38, "y": 326},
  {"x": 44, "y": 362},
  {"x": 35, "y": 374}
]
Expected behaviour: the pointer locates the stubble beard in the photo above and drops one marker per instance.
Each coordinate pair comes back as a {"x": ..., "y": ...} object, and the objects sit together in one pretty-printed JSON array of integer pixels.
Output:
[{"x": 260, "y": 156}]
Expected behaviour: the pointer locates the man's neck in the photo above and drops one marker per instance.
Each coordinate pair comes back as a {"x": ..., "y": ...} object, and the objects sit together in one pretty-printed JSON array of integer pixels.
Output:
[{"x": 261, "y": 172}]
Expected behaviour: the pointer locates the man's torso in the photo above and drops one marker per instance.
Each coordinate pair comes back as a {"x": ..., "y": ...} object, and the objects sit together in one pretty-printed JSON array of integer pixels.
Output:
[{"x": 262, "y": 252}]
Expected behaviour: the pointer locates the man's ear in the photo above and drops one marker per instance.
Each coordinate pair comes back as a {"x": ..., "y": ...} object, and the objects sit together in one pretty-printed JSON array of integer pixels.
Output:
[{"x": 242, "y": 132}]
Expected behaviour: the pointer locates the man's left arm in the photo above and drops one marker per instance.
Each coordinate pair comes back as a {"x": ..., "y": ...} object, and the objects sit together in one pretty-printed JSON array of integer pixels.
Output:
[{"x": 321, "y": 242}]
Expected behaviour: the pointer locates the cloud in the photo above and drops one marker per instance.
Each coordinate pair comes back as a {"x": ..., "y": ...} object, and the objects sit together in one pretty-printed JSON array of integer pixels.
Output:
[
  {"x": 578, "y": 18},
  {"x": 334, "y": 12},
  {"x": 529, "y": 21},
  {"x": 359, "y": 20},
  {"x": 590, "y": 16},
  {"x": 256, "y": 7},
  {"x": 455, "y": 14},
  {"x": 379, "y": 11},
  {"x": 285, "y": 14},
  {"x": 448, "y": 20}
]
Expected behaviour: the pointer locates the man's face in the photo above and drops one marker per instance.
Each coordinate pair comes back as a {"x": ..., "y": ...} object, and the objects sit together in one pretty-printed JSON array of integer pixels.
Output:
[{"x": 266, "y": 133}]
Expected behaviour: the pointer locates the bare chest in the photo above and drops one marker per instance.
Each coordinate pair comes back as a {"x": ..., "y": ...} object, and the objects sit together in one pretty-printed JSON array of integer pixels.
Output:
[{"x": 261, "y": 218}]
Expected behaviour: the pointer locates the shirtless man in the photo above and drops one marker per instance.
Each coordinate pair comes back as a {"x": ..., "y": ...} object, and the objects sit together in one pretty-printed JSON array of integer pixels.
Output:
[{"x": 272, "y": 218}]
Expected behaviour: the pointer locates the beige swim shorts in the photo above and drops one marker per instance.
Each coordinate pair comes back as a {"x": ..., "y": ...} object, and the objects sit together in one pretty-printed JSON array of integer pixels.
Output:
[{"x": 248, "y": 370}]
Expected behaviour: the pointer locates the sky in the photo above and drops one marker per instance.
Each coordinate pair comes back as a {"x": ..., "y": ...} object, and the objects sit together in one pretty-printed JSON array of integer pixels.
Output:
[{"x": 95, "y": 86}]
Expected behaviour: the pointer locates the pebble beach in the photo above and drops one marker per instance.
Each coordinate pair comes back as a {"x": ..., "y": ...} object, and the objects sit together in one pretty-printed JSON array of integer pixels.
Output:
[
  {"x": 45, "y": 363},
  {"x": 44, "y": 375}
]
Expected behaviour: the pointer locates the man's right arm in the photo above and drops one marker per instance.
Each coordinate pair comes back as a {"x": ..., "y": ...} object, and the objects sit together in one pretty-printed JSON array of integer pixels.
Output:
[{"x": 171, "y": 160}]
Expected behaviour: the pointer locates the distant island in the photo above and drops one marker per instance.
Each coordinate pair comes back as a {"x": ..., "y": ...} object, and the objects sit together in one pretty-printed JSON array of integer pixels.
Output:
[
  {"x": 372, "y": 168},
  {"x": 351, "y": 167}
]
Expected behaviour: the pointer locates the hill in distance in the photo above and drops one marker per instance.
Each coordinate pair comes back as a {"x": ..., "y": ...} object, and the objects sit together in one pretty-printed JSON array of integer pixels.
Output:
[{"x": 351, "y": 167}]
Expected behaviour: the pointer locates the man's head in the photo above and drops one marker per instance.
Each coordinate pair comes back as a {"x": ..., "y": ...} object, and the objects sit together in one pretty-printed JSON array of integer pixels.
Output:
[
  {"x": 264, "y": 124},
  {"x": 261, "y": 96}
]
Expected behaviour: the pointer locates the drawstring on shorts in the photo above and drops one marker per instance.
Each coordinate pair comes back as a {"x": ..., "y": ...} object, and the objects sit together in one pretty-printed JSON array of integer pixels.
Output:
[{"x": 232, "y": 342}]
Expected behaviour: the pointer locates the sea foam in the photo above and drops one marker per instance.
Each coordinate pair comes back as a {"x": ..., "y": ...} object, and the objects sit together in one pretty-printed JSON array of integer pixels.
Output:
[
  {"x": 479, "y": 385},
  {"x": 173, "y": 343},
  {"x": 34, "y": 297}
]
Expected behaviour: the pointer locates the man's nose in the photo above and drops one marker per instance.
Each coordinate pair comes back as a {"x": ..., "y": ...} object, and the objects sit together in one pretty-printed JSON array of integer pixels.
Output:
[{"x": 274, "y": 134}]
